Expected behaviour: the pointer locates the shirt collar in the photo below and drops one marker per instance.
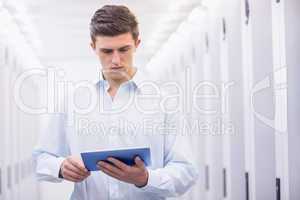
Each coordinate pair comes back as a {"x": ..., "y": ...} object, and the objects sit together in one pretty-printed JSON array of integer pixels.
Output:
[{"x": 137, "y": 79}]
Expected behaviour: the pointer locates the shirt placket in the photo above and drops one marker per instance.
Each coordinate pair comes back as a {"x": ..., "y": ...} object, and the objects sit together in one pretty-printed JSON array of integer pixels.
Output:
[{"x": 114, "y": 192}]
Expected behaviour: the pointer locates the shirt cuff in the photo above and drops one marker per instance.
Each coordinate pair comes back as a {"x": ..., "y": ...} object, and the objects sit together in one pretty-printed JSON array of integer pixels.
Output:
[
  {"x": 49, "y": 170},
  {"x": 56, "y": 167},
  {"x": 153, "y": 181}
]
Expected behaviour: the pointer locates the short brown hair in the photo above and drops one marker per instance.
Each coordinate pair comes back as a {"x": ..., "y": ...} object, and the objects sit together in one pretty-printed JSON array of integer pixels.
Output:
[{"x": 113, "y": 20}]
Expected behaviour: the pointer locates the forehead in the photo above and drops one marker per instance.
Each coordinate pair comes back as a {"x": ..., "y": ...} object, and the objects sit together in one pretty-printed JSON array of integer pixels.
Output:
[{"x": 112, "y": 42}]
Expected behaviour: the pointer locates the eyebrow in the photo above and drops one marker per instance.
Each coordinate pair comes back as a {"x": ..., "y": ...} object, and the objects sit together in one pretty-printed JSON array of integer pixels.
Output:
[{"x": 121, "y": 48}]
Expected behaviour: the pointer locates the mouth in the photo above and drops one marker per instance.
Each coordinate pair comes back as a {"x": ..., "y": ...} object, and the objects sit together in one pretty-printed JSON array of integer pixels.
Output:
[{"x": 117, "y": 69}]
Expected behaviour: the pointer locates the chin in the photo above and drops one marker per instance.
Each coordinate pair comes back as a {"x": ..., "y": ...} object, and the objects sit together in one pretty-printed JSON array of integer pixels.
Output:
[{"x": 116, "y": 76}]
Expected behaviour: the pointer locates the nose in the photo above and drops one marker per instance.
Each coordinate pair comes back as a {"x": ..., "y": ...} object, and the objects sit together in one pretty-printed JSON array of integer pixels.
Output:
[{"x": 116, "y": 58}]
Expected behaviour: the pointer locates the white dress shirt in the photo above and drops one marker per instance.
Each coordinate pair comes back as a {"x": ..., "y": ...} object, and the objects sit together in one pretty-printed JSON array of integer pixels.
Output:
[{"x": 120, "y": 122}]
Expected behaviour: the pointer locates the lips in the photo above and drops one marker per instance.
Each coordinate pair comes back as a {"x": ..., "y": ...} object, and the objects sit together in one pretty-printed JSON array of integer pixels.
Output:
[{"x": 117, "y": 69}]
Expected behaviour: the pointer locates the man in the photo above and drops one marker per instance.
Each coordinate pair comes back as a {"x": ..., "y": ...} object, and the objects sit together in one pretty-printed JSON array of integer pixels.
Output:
[{"x": 115, "y": 38}]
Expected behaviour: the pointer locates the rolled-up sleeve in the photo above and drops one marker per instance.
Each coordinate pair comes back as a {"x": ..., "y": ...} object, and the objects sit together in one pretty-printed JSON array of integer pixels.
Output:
[
  {"x": 177, "y": 175},
  {"x": 52, "y": 148}
]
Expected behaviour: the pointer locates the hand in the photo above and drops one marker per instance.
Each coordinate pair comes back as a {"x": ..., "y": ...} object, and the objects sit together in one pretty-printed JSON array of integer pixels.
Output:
[
  {"x": 72, "y": 169},
  {"x": 136, "y": 174}
]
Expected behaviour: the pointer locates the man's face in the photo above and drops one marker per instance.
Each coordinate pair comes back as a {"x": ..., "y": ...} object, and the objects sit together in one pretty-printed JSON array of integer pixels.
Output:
[{"x": 116, "y": 55}]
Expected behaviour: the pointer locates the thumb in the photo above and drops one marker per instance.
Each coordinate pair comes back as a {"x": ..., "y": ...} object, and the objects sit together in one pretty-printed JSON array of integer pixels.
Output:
[{"x": 139, "y": 162}]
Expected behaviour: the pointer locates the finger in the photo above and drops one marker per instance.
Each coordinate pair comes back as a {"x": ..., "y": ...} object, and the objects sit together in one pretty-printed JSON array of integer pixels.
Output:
[
  {"x": 118, "y": 163},
  {"x": 79, "y": 166},
  {"x": 111, "y": 168},
  {"x": 109, "y": 173},
  {"x": 74, "y": 169},
  {"x": 138, "y": 161},
  {"x": 73, "y": 176}
]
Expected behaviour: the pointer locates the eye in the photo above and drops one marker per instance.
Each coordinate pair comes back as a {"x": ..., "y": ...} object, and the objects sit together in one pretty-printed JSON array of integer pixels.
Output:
[
  {"x": 123, "y": 50},
  {"x": 107, "y": 51}
]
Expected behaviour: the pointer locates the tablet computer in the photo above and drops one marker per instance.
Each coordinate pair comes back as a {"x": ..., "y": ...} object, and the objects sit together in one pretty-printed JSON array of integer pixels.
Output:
[{"x": 126, "y": 155}]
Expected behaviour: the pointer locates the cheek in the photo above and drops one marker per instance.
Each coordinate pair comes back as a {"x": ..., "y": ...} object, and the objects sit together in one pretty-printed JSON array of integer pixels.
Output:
[
  {"x": 105, "y": 60},
  {"x": 127, "y": 57}
]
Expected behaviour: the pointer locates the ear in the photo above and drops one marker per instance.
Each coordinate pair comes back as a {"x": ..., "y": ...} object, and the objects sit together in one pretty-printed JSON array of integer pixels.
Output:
[
  {"x": 92, "y": 44},
  {"x": 137, "y": 43}
]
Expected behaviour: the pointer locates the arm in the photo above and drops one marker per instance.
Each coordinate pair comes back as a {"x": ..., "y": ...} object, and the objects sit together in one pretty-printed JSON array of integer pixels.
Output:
[
  {"x": 52, "y": 156},
  {"x": 177, "y": 175},
  {"x": 52, "y": 148}
]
